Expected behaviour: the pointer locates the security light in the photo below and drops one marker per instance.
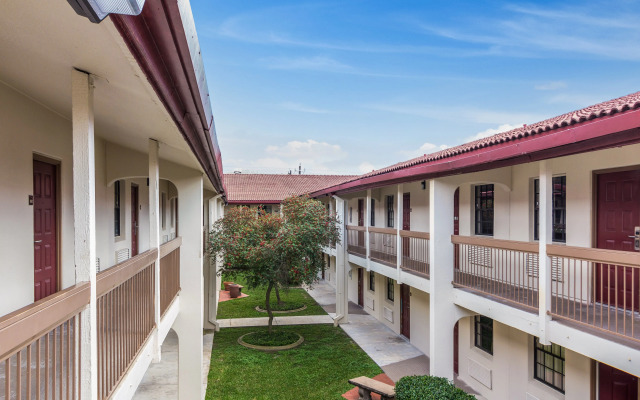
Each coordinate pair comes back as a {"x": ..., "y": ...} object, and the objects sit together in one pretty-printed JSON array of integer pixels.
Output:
[{"x": 97, "y": 10}]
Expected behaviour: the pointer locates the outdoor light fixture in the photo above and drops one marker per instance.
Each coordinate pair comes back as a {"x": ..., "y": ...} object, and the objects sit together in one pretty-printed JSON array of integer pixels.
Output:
[
  {"x": 97, "y": 10},
  {"x": 424, "y": 185}
]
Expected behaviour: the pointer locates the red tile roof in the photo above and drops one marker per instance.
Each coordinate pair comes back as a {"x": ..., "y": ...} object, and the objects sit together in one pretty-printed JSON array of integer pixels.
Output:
[
  {"x": 607, "y": 108},
  {"x": 272, "y": 188}
]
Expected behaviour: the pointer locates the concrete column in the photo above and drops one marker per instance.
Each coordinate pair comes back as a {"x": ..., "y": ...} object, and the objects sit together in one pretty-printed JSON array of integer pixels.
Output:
[
  {"x": 545, "y": 235},
  {"x": 367, "y": 225},
  {"x": 443, "y": 313},
  {"x": 189, "y": 324},
  {"x": 214, "y": 284},
  {"x": 154, "y": 233},
  {"x": 398, "y": 229},
  {"x": 342, "y": 284},
  {"x": 84, "y": 218}
]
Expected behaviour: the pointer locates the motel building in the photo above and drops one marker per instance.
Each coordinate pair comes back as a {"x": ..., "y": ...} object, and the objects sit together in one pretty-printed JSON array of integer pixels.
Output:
[
  {"x": 513, "y": 261},
  {"x": 111, "y": 176}
]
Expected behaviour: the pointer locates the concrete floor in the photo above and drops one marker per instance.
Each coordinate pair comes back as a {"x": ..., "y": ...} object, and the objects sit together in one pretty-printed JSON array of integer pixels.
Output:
[{"x": 161, "y": 379}]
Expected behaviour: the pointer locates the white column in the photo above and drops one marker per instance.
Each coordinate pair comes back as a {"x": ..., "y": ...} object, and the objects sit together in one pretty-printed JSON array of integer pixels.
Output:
[
  {"x": 443, "y": 312},
  {"x": 367, "y": 225},
  {"x": 189, "y": 322},
  {"x": 545, "y": 236},
  {"x": 154, "y": 234},
  {"x": 84, "y": 218},
  {"x": 342, "y": 284},
  {"x": 214, "y": 284},
  {"x": 399, "y": 212}
]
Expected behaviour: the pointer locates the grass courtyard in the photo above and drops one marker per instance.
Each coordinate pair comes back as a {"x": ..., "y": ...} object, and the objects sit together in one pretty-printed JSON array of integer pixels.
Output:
[
  {"x": 245, "y": 307},
  {"x": 317, "y": 369}
]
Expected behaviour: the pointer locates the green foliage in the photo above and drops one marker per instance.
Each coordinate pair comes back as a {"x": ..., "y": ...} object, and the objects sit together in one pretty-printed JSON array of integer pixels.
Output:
[
  {"x": 318, "y": 369},
  {"x": 428, "y": 388},
  {"x": 275, "y": 338},
  {"x": 268, "y": 250}
]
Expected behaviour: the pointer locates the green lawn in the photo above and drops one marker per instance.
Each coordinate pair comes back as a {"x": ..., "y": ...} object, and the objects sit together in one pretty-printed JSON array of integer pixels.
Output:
[
  {"x": 317, "y": 369},
  {"x": 245, "y": 307}
]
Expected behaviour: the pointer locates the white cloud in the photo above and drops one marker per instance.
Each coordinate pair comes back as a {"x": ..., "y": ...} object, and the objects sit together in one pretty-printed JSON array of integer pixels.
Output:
[
  {"x": 317, "y": 63},
  {"x": 491, "y": 132},
  {"x": 554, "y": 85},
  {"x": 366, "y": 167},
  {"x": 426, "y": 148},
  {"x": 302, "y": 108}
]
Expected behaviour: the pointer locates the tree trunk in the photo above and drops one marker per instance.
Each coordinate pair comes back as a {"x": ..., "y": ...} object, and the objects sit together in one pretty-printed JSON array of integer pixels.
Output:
[
  {"x": 269, "y": 305},
  {"x": 278, "y": 296}
]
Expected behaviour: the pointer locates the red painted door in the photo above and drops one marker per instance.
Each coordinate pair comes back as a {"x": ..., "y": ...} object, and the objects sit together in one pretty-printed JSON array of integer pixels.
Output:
[
  {"x": 45, "y": 243},
  {"x": 617, "y": 216},
  {"x": 135, "y": 208},
  {"x": 361, "y": 221},
  {"x": 616, "y": 385},
  {"x": 406, "y": 223},
  {"x": 360, "y": 288},
  {"x": 405, "y": 310},
  {"x": 456, "y": 225},
  {"x": 455, "y": 349}
]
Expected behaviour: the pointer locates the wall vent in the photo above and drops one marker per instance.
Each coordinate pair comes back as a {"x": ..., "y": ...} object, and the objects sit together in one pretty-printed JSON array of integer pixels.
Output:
[
  {"x": 387, "y": 313},
  {"x": 369, "y": 303},
  {"x": 97, "y": 265},
  {"x": 531, "y": 397},
  {"x": 165, "y": 238},
  {"x": 480, "y": 256},
  {"x": 533, "y": 267},
  {"x": 480, "y": 373},
  {"x": 122, "y": 255}
]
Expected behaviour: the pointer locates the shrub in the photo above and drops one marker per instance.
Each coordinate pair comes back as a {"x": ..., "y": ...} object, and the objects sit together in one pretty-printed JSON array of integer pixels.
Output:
[{"x": 428, "y": 388}]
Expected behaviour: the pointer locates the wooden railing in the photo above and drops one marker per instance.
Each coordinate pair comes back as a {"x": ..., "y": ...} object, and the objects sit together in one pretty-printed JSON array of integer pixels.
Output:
[
  {"x": 382, "y": 245},
  {"x": 597, "y": 287},
  {"x": 415, "y": 251},
  {"x": 125, "y": 317},
  {"x": 355, "y": 240},
  {"x": 40, "y": 344},
  {"x": 501, "y": 268},
  {"x": 169, "y": 273}
]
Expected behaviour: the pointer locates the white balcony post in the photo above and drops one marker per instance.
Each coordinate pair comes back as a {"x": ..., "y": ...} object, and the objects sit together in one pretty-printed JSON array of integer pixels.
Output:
[
  {"x": 189, "y": 322},
  {"x": 342, "y": 283},
  {"x": 154, "y": 235},
  {"x": 84, "y": 218},
  {"x": 399, "y": 212},
  {"x": 443, "y": 312},
  {"x": 367, "y": 225},
  {"x": 544, "y": 262}
]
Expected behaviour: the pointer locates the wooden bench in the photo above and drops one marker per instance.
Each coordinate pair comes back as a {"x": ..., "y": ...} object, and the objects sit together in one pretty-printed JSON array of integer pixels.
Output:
[{"x": 366, "y": 386}]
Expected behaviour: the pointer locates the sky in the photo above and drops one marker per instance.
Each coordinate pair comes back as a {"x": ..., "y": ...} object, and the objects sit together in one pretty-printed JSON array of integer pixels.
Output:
[{"x": 345, "y": 87}]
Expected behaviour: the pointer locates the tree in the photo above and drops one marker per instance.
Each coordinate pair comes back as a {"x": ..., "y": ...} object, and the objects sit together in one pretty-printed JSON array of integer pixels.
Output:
[{"x": 273, "y": 251}]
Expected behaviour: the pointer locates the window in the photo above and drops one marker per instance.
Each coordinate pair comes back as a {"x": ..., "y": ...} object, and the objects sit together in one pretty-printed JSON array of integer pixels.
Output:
[
  {"x": 163, "y": 207},
  {"x": 390, "y": 289},
  {"x": 548, "y": 366},
  {"x": 390, "y": 211},
  {"x": 172, "y": 213},
  {"x": 558, "y": 212},
  {"x": 350, "y": 214},
  {"x": 373, "y": 212},
  {"x": 265, "y": 209},
  {"x": 116, "y": 209},
  {"x": 372, "y": 281},
  {"x": 484, "y": 210},
  {"x": 484, "y": 333}
]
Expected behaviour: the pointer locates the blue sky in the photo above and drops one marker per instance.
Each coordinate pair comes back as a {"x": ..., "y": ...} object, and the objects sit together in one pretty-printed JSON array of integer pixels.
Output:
[{"x": 349, "y": 86}]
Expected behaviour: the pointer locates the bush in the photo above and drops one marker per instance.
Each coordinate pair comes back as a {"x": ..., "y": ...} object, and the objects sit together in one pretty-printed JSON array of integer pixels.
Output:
[{"x": 428, "y": 388}]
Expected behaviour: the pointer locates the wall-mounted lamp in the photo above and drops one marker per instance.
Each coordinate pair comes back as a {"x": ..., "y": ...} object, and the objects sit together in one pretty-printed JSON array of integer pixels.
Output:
[
  {"x": 424, "y": 185},
  {"x": 97, "y": 10}
]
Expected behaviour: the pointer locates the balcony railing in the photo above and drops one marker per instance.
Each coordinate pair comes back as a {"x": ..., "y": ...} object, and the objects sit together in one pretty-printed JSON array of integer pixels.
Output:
[
  {"x": 40, "y": 344},
  {"x": 355, "y": 240},
  {"x": 125, "y": 317},
  {"x": 415, "y": 251},
  {"x": 382, "y": 245},
  {"x": 169, "y": 273},
  {"x": 502, "y": 268},
  {"x": 597, "y": 287}
]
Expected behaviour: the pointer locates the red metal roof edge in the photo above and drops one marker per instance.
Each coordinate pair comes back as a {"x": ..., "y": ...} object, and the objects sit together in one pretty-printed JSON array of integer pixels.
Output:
[
  {"x": 157, "y": 40},
  {"x": 594, "y": 134}
]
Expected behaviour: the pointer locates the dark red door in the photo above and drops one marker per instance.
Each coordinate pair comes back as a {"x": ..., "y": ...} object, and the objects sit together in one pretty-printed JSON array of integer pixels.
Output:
[
  {"x": 455, "y": 349},
  {"x": 135, "y": 208},
  {"x": 361, "y": 221},
  {"x": 616, "y": 385},
  {"x": 360, "y": 288},
  {"x": 456, "y": 225},
  {"x": 618, "y": 215},
  {"x": 405, "y": 310},
  {"x": 45, "y": 243},
  {"x": 406, "y": 223}
]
